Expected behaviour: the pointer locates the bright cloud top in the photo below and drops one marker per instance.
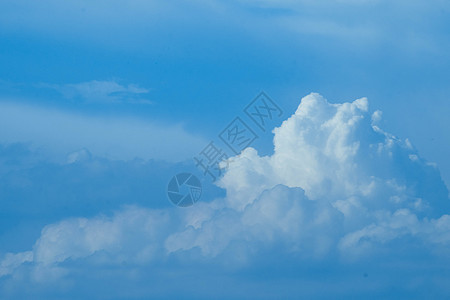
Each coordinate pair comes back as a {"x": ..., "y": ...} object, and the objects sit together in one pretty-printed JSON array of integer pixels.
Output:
[{"x": 336, "y": 186}]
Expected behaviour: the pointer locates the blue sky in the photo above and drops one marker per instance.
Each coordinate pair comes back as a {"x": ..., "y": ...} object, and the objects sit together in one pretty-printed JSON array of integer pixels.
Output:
[{"x": 102, "y": 102}]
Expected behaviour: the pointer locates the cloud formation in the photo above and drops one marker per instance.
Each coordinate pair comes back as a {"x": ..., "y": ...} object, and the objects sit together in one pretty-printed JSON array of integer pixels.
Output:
[
  {"x": 355, "y": 177},
  {"x": 102, "y": 91},
  {"x": 61, "y": 132},
  {"x": 336, "y": 188}
]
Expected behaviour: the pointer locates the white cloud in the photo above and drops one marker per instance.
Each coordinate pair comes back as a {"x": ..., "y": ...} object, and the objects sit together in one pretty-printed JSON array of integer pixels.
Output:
[
  {"x": 336, "y": 186},
  {"x": 131, "y": 235},
  {"x": 12, "y": 261},
  {"x": 352, "y": 172},
  {"x": 282, "y": 216}
]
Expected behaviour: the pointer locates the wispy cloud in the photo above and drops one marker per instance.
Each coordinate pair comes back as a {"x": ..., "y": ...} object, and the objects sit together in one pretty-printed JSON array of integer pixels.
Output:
[
  {"x": 63, "y": 132},
  {"x": 347, "y": 20},
  {"x": 102, "y": 91}
]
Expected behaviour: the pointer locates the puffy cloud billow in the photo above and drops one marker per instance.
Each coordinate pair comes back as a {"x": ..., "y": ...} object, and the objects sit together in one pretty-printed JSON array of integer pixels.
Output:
[
  {"x": 337, "y": 189},
  {"x": 336, "y": 181}
]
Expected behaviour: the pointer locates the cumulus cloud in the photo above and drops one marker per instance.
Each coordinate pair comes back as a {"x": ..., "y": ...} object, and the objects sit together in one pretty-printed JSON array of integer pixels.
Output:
[
  {"x": 281, "y": 215},
  {"x": 356, "y": 176},
  {"x": 334, "y": 152},
  {"x": 132, "y": 234},
  {"x": 337, "y": 186}
]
